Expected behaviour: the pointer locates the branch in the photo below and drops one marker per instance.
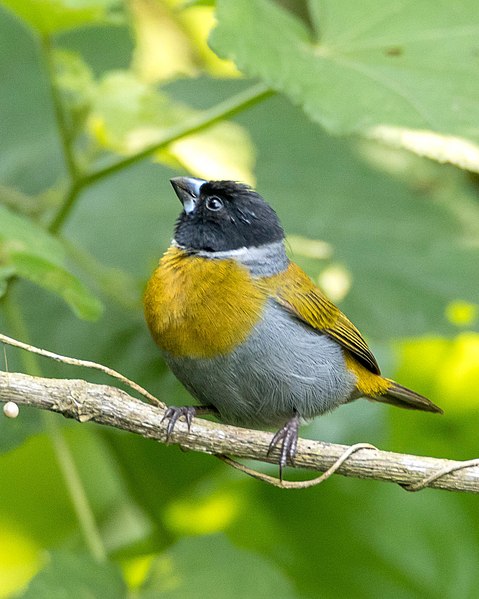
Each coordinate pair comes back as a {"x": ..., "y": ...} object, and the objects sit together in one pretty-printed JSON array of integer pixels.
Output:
[
  {"x": 110, "y": 406},
  {"x": 224, "y": 110}
]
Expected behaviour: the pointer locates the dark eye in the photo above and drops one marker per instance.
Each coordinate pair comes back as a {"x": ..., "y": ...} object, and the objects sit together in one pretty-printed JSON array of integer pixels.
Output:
[{"x": 214, "y": 203}]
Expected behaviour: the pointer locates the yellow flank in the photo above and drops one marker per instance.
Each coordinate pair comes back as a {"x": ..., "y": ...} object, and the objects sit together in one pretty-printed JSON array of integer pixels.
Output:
[
  {"x": 200, "y": 308},
  {"x": 368, "y": 383}
]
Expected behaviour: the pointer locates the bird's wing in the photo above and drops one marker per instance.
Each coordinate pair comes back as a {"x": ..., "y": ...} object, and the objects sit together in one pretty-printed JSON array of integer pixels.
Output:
[{"x": 295, "y": 291}]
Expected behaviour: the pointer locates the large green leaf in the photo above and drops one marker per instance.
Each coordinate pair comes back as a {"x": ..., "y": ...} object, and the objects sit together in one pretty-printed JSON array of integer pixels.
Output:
[
  {"x": 31, "y": 253},
  {"x": 387, "y": 69},
  {"x": 51, "y": 16},
  {"x": 211, "y": 567},
  {"x": 79, "y": 576}
]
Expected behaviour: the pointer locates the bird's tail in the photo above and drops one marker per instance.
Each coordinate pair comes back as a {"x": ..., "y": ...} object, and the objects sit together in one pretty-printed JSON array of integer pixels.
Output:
[{"x": 400, "y": 396}]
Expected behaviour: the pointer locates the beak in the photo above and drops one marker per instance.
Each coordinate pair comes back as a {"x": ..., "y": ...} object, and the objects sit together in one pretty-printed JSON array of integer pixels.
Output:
[{"x": 188, "y": 191}]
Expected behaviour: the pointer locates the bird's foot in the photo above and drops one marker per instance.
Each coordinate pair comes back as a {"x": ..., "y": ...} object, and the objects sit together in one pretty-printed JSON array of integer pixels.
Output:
[
  {"x": 286, "y": 439},
  {"x": 173, "y": 414}
]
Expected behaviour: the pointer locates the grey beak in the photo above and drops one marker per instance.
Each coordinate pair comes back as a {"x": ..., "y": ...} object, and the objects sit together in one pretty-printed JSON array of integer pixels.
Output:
[{"x": 188, "y": 191}]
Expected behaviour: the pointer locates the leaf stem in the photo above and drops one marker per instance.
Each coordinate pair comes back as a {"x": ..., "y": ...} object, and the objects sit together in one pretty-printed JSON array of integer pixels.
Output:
[
  {"x": 63, "y": 454},
  {"x": 65, "y": 209},
  {"x": 76, "y": 490},
  {"x": 62, "y": 125},
  {"x": 219, "y": 112}
]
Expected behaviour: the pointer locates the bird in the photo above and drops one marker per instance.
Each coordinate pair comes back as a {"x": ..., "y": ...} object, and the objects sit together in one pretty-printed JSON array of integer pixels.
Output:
[{"x": 244, "y": 328}]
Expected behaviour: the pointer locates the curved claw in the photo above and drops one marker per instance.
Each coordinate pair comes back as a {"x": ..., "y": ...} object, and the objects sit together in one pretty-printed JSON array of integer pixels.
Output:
[
  {"x": 173, "y": 414},
  {"x": 287, "y": 439}
]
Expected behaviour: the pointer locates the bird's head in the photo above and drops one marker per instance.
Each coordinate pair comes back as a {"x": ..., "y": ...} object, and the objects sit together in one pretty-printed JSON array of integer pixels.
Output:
[{"x": 221, "y": 216}]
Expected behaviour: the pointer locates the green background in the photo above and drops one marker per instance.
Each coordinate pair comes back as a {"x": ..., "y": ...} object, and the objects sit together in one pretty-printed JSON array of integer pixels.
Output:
[{"x": 399, "y": 251}]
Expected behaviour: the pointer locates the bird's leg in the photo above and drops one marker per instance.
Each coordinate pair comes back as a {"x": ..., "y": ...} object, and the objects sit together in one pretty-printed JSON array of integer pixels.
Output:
[
  {"x": 287, "y": 439},
  {"x": 173, "y": 414}
]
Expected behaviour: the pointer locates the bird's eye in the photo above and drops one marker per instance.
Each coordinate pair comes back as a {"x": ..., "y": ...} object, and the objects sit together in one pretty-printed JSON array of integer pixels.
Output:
[{"x": 214, "y": 203}]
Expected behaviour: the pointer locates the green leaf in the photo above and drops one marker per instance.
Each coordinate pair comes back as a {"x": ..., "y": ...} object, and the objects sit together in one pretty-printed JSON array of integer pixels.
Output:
[
  {"x": 212, "y": 567},
  {"x": 129, "y": 115},
  {"x": 29, "y": 251},
  {"x": 76, "y": 575},
  {"x": 52, "y": 16},
  {"x": 60, "y": 281},
  {"x": 390, "y": 70}
]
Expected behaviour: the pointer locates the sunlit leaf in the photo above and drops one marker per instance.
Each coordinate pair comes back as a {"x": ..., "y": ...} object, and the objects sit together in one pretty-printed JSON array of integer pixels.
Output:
[
  {"x": 172, "y": 42},
  {"x": 224, "y": 151},
  {"x": 368, "y": 65},
  {"x": 51, "y": 16},
  {"x": 129, "y": 115},
  {"x": 199, "y": 20},
  {"x": 462, "y": 313},
  {"x": 309, "y": 248},
  {"x": 20, "y": 558},
  {"x": 163, "y": 49},
  {"x": 440, "y": 147},
  {"x": 449, "y": 370},
  {"x": 30, "y": 252},
  {"x": 203, "y": 514}
]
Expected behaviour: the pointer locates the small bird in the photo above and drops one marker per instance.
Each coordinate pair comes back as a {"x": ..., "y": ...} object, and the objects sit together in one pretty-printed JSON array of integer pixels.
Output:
[{"x": 245, "y": 330}]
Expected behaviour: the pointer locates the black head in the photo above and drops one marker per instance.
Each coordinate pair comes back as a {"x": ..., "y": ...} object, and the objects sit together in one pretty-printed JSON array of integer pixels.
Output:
[{"x": 223, "y": 215}]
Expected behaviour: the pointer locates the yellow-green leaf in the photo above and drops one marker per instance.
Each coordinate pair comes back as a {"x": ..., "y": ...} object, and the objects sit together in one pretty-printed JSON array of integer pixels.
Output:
[{"x": 51, "y": 16}]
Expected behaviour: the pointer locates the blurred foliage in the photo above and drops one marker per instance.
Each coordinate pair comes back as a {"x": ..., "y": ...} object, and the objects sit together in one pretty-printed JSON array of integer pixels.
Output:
[{"x": 97, "y": 103}]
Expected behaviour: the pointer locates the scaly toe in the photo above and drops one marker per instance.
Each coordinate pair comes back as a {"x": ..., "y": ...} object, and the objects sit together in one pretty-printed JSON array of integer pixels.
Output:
[
  {"x": 173, "y": 414},
  {"x": 287, "y": 441}
]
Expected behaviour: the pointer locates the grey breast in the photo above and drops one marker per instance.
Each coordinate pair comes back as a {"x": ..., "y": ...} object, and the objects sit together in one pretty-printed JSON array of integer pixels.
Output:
[{"x": 284, "y": 367}]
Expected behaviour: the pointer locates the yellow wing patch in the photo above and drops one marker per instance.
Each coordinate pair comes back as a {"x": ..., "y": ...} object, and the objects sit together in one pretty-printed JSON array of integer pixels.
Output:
[{"x": 295, "y": 291}]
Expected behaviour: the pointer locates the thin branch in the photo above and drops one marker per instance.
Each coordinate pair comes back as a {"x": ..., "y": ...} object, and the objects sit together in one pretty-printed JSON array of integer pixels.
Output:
[
  {"x": 203, "y": 120},
  {"x": 206, "y": 118},
  {"x": 85, "y": 363},
  {"x": 110, "y": 406}
]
